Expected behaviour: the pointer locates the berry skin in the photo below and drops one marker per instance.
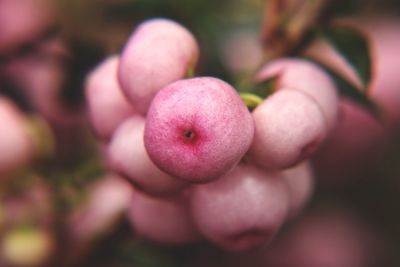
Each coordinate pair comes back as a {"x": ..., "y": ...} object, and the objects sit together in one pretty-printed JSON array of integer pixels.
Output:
[
  {"x": 326, "y": 238},
  {"x": 162, "y": 220},
  {"x": 159, "y": 52},
  {"x": 40, "y": 77},
  {"x": 300, "y": 183},
  {"x": 16, "y": 143},
  {"x": 289, "y": 127},
  {"x": 107, "y": 105},
  {"x": 241, "y": 210},
  {"x": 198, "y": 129},
  {"x": 354, "y": 150},
  {"x": 129, "y": 157},
  {"x": 302, "y": 75},
  {"x": 108, "y": 199},
  {"x": 24, "y": 21},
  {"x": 384, "y": 90}
]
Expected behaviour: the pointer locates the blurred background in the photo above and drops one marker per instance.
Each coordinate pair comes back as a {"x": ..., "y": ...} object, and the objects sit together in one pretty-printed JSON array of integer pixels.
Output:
[{"x": 60, "y": 207}]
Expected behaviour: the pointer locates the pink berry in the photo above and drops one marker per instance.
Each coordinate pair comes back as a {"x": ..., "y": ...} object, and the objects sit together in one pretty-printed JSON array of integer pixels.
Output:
[
  {"x": 16, "y": 143},
  {"x": 330, "y": 238},
  {"x": 308, "y": 78},
  {"x": 40, "y": 76},
  {"x": 162, "y": 220},
  {"x": 300, "y": 183},
  {"x": 23, "y": 21},
  {"x": 198, "y": 129},
  {"x": 108, "y": 199},
  {"x": 354, "y": 149},
  {"x": 241, "y": 51},
  {"x": 289, "y": 127},
  {"x": 385, "y": 42},
  {"x": 241, "y": 210},
  {"x": 106, "y": 103},
  {"x": 159, "y": 52},
  {"x": 129, "y": 157}
]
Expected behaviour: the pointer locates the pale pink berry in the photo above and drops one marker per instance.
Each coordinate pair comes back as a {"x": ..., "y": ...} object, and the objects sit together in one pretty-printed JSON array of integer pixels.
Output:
[
  {"x": 97, "y": 216},
  {"x": 128, "y": 156},
  {"x": 331, "y": 238},
  {"x": 41, "y": 77},
  {"x": 16, "y": 143},
  {"x": 198, "y": 129},
  {"x": 302, "y": 75},
  {"x": 24, "y": 21},
  {"x": 384, "y": 89},
  {"x": 159, "y": 52},
  {"x": 300, "y": 183},
  {"x": 107, "y": 200},
  {"x": 107, "y": 105},
  {"x": 355, "y": 148},
  {"x": 241, "y": 51},
  {"x": 241, "y": 210},
  {"x": 162, "y": 220},
  {"x": 289, "y": 127}
]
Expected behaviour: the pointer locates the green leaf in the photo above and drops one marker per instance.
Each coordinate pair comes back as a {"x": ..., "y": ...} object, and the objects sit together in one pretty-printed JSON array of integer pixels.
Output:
[
  {"x": 349, "y": 90},
  {"x": 253, "y": 94},
  {"x": 353, "y": 46},
  {"x": 262, "y": 89}
]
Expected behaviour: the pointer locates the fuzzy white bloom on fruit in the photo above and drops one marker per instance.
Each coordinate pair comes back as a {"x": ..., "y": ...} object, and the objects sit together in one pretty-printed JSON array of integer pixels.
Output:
[
  {"x": 241, "y": 210},
  {"x": 107, "y": 105},
  {"x": 307, "y": 77},
  {"x": 159, "y": 52},
  {"x": 300, "y": 183},
  {"x": 128, "y": 156},
  {"x": 198, "y": 129},
  {"x": 289, "y": 127},
  {"x": 162, "y": 220}
]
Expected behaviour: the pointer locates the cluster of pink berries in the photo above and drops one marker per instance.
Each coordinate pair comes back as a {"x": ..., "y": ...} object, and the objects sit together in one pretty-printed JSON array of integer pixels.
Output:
[{"x": 201, "y": 163}]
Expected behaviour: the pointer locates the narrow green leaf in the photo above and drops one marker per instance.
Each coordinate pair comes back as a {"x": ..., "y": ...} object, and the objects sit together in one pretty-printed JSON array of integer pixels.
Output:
[
  {"x": 353, "y": 46},
  {"x": 253, "y": 94},
  {"x": 262, "y": 89},
  {"x": 349, "y": 90}
]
